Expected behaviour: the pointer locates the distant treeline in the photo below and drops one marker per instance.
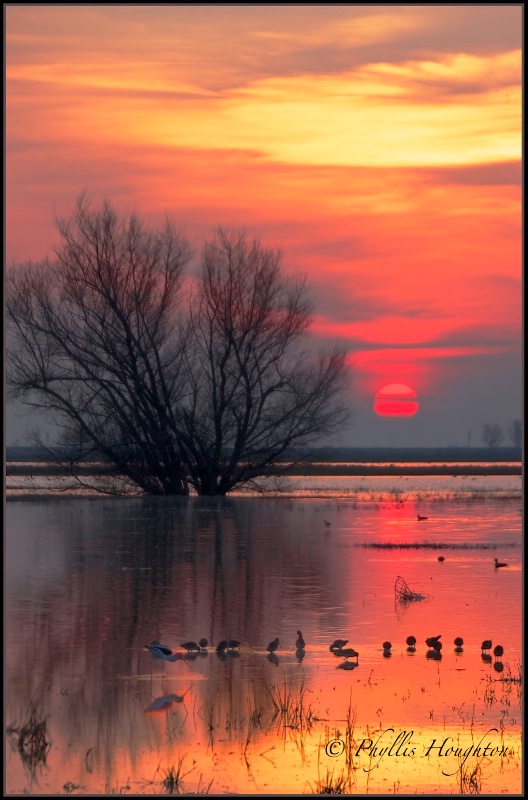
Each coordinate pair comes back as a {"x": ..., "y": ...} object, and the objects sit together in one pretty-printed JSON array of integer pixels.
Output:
[{"x": 352, "y": 454}]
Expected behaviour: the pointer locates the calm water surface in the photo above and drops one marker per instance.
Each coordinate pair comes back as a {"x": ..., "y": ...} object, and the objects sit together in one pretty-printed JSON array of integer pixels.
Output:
[{"x": 90, "y": 581}]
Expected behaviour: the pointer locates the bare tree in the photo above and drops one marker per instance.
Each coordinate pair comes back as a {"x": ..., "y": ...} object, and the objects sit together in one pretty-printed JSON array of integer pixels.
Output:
[
  {"x": 168, "y": 398},
  {"x": 94, "y": 342},
  {"x": 492, "y": 434},
  {"x": 255, "y": 394},
  {"x": 515, "y": 432}
]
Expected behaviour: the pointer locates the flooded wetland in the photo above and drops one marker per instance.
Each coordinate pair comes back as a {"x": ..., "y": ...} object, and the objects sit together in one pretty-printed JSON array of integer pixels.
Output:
[{"x": 91, "y": 581}]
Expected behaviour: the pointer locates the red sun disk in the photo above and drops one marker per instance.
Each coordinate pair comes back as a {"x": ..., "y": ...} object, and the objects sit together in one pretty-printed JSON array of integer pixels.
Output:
[{"x": 396, "y": 400}]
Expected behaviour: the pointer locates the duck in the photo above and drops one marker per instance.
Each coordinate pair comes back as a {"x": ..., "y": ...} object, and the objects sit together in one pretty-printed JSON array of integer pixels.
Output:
[
  {"x": 458, "y": 643},
  {"x": 203, "y": 643},
  {"x": 411, "y": 642},
  {"x": 486, "y": 645},
  {"x": 431, "y": 641},
  {"x": 338, "y": 644},
  {"x": 221, "y": 646},
  {"x": 350, "y": 653},
  {"x": 190, "y": 646},
  {"x": 498, "y": 650},
  {"x": 232, "y": 644},
  {"x": 300, "y": 643},
  {"x": 420, "y": 518},
  {"x": 387, "y": 645},
  {"x": 499, "y": 564},
  {"x": 273, "y": 646},
  {"x": 440, "y": 558},
  {"x": 437, "y": 646}
]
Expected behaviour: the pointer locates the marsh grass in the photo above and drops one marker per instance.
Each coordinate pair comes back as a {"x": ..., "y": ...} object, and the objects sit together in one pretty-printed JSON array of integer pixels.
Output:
[
  {"x": 470, "y": 778},
  {"x": 173, "y": 778},
  {"x": 290, "y": 706},
  {"x": 31, "y": 739},
  {"x": 331, "y": 783}
]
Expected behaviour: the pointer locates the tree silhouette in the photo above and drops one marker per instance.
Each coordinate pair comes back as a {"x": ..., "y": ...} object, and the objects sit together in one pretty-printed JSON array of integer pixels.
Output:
[
  {"x": 492, "y": 434},
  {"x": 173, "y": 396},
  {"x": 515, "y": 432}
]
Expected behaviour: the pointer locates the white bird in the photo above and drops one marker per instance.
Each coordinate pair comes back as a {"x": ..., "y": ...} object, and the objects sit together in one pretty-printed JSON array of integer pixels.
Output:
[{"x": 158, "y": 650}]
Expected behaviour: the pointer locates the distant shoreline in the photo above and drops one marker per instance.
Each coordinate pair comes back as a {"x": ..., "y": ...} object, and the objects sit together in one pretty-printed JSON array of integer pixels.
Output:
[{"x": 322, "y": 469}]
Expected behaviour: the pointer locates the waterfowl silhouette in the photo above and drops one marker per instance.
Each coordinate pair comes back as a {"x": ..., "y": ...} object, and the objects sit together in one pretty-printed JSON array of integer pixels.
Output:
[
  {"x": 273, "y": 646},
  {"x": 420, "y": 518},
  {"x": 300, "y": 643},
  {"x": 458, "y": 643},
  {"x": 233, "y": 643},
  {"x": 498, "y": 651},
  {"x": 337, "y": 644},
  {"x": 437, "y": 646},
  {"x": 327, "y": 524},
  {"x": 441, "y": 558},
  {"x": 411, "y": 642},
  {"x": 387, "y": 645},
  {"x": 486, "y": 645},
  {"x": 432, "y": 639},
  {"x": 221, "y": 646},
  {"x": 499, "y": 564},
  {"x": 190, "y": 646},
  {"x": 349, "y": 653},
  {"x": 203, "y": 643}
]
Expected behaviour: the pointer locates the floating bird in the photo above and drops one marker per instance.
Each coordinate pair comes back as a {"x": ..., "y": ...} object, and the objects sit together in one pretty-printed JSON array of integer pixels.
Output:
[
  {"x": 350, "y": 653},
  {"x": 203, "y": 643},
  {"x": 458, "y": 643},
  {"x": 411, "y": 642},
  {"x": 338, "y": 644},
  {"x": 327, "y": 524},
  {"x": 300, "y": 643},
  {"x": 273, "y": 646},
  {"x": 436, "y": 655},
  {"x": 221, "y": 646},
  {"x": 486, "y": 645},
  {"x": 441, "y": 558},
  {"x": 498, "y": 651},
  {"x": 190, "y": 646},
  {"x": 387, "y": 645},
  {"x": 232, "y": 643},
  {"x": 432, "y": 639},
  {"x": 420, "y": 518},
  {"x": 499, "y": 564},
  {"x": 437, "y": 646}
]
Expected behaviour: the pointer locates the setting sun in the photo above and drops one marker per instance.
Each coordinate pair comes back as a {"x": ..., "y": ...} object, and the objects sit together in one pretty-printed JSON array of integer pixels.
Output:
[{"x": 396, "y": 400}]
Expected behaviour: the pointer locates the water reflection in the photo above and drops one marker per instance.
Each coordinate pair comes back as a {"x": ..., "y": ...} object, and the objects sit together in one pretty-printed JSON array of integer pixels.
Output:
[{"x": 89, "y": 582}]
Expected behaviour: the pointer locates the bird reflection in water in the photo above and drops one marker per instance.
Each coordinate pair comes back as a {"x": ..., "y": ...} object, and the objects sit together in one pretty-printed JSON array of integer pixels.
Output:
[
  {"x": 164, "y": 703},
  {"x": 273, "y": 659}
]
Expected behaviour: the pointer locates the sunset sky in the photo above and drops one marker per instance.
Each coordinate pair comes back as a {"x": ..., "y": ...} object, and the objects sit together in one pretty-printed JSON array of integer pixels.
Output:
[{"x": 379, "y": 146}]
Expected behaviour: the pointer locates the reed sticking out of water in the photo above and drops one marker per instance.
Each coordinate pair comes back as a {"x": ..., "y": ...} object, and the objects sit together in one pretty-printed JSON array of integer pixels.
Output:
[
  {"x": 31, "y": 739},
  {"x": 290, "y": 708},
  {"x": 333, "y": 784},
  {"x": 174, "y": 776}
]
